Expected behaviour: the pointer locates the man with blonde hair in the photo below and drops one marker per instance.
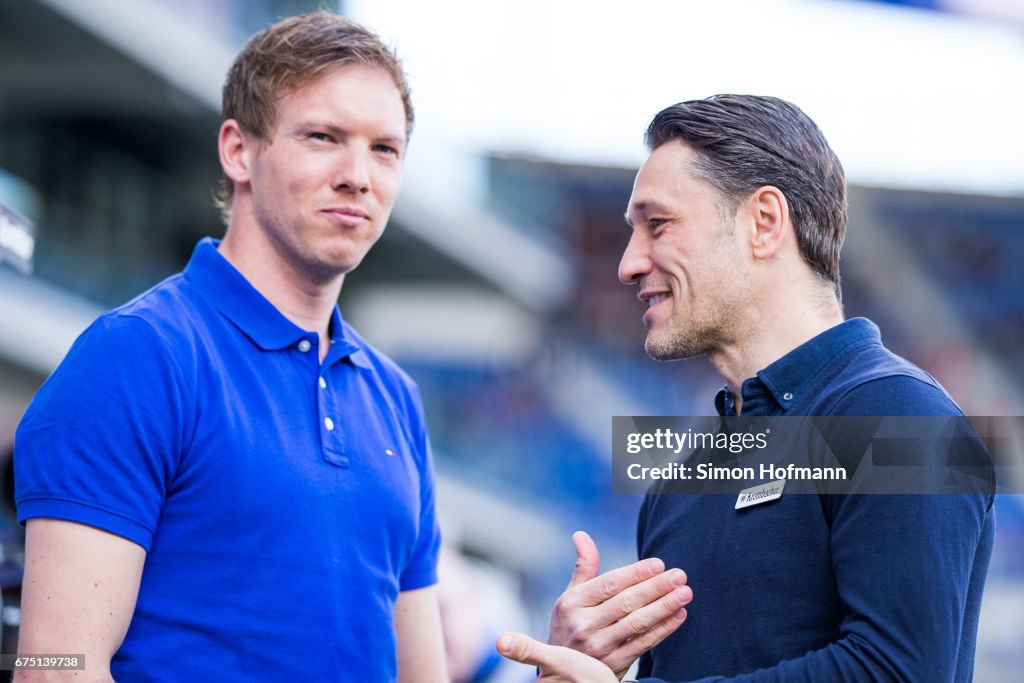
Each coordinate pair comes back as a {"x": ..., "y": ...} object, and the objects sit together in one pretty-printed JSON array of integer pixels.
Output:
[{"x": 223, "y": 480}]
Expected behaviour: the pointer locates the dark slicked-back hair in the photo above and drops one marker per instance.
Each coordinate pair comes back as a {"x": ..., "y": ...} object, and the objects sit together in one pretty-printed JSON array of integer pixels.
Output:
[
  {"x": 290, "y": 54},
  {"x": 744, "y": 142}
]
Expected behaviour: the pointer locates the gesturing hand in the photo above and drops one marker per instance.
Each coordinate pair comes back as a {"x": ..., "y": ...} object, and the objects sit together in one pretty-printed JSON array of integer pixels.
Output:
[{"x": 617, "y": 616}]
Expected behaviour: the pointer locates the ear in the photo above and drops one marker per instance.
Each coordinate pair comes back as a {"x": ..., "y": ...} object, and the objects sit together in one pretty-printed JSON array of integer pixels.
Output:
[
  {"x": 770, "y": 212},
  {"x": 235, "y": 148}
]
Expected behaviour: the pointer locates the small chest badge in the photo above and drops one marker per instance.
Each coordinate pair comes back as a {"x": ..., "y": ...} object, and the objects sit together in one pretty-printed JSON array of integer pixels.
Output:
[{"x": 762, "y": 493}]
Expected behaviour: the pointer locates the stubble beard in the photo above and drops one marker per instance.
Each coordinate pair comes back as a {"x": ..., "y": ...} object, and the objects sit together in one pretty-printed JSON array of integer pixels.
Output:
[
  {"x": 702, "y": 329},
  {"x": 701, "y": 336},
  {"x": 301, "y": 257}
]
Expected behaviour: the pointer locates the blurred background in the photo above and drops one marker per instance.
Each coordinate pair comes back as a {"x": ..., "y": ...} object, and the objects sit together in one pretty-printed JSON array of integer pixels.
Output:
[{"x": 495, "y": 284}]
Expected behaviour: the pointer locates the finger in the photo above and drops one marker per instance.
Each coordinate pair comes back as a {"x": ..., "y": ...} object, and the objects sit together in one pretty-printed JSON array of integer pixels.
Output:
[
  {"x": 588, "y": 560},
  {"x": 608, "y": 585},
  {"x": 556, "y": 663},
  {"x": 627, "y": 653},
  {"x": 640, "y": 621},
  {"x": 646, "y": 593},
  {"x": 522, "y": 648}
]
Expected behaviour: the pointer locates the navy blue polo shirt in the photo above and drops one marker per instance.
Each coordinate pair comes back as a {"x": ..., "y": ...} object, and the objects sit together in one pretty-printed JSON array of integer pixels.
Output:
[
  {"x": 831, "y": 587},
  {"x": 283, "y": 503}
]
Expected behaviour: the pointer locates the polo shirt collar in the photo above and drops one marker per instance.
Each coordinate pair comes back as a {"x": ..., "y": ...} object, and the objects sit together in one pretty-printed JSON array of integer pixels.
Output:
[
  {"x": 344, "y": 343},
  {"x": 777, "y": 387},
  {"x": 228, "y": 290}
]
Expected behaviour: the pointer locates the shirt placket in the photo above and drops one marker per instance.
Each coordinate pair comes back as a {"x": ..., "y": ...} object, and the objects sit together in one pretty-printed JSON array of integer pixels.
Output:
[{"x": 332, "y": 440}]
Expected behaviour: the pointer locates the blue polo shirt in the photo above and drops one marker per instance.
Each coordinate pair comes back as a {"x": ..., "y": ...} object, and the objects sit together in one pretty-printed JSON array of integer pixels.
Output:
[
  {"x": 831, "y": 587},
  {"x": 283, "y": 503}
]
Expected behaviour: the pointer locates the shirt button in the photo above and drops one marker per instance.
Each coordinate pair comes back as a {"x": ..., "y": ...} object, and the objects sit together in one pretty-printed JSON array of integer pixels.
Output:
[
  {"x": 787, "y": 396},
  {"x": 329, "y": 423},
  {"x": 304, "y": 345},
  {"x": 323, "y": 383}
]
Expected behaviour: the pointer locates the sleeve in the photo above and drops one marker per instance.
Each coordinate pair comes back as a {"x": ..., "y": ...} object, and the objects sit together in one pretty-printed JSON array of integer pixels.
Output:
[
  {"x": 421, "y": 570},
  {"x": 909, "y": 570},
  {"x": 100, "y": 442}
]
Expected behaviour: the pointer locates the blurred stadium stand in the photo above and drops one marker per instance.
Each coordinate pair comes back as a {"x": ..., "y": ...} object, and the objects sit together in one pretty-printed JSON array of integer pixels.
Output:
[{"x": 507, "y": 310}]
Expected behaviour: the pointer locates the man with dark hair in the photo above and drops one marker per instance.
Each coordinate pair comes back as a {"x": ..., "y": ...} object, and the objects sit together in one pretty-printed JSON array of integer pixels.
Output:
[
  {"x": 223, "y": 480},
  {"x": 737, "y": 219}
]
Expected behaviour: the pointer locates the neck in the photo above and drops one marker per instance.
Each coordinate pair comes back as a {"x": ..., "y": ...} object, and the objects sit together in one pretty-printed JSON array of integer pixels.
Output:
[
  {"x": 306, "y": 303},
  {"x": 773, "y": 329}
]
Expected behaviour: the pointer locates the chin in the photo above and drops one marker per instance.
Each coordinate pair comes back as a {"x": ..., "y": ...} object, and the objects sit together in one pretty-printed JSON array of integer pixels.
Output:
[
  {"x": 334, "y": 262},
  {"x": 324, "y": 271},
  {"x": 658, "y": 350},
  {"x": 666, "y": 347}
]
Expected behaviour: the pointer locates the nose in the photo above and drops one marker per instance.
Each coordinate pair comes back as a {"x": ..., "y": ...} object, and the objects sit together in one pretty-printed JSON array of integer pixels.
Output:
[
  {"x": 636, "y": 259},
  {"x": 352, "y": 172}
]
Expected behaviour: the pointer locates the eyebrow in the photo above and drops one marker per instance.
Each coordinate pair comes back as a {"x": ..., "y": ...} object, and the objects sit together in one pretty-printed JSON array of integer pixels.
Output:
[{"x": 338, "y": 130}]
